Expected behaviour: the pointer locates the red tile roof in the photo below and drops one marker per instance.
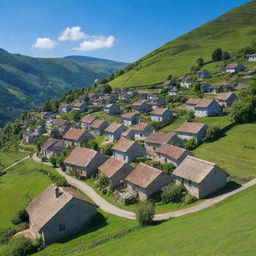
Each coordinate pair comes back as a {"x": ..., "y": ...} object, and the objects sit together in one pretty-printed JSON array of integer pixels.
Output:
[
  {"x": 224, "y": 95},
  {"x": 193, "y": 101},
  {"x": 171, "y": 151},
  {"x": 204, "y": 103},
  {"x": 140, "y": 127},
  {"x": 159, "y": 111},
  {"x": 123, "y": 145},
  {"x": 88, "y": 119},
  {"x": 159, "y": 138},
  {"x": 74, "y": 134},
  {"x": 128, "y": 115},
  {"x": 188, "y": 127},
  {"x": 97, "y": 123},
  {"x": 113, "y": 127},
  {"x": 111, "y": 166}
]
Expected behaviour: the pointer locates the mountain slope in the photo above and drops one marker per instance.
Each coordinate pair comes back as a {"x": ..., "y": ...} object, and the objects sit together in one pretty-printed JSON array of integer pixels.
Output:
[
  {"x": 27, "y": 82},
  {"x": 231, "y": 31}
]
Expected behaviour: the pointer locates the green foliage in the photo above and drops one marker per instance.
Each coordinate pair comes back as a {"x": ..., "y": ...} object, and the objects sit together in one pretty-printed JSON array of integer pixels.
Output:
[
  {"x": 107, "y": 88},
  {"x": 190, "y": 144},
  {"x": 213, "y": 133},
  {"x": 6, "y": 235},
  {"x": 167, "y": 167},
  {"x": 145, "y": 211},
  {"x": 225, "y": 56},
  {"x": 102, "y": 182},
  {"x": 60, "y": 182},
  {"x": 217, "y": 54},
  {"x": 92, "y": 144},
  {"x": 106, "y": 149},
  {"x": 53, "y": 160},
  {"x": 20, "y": 217},
  {"x": 172, "y": 193},
  {"x": 200, "y": 62},
  {"x": 189, "y": 199}
]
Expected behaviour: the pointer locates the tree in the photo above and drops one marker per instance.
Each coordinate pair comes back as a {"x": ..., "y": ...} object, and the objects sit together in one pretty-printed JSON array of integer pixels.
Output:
[
  {"x": 200, "y": 62},
  {"x": 53, "y": 160},
  {"x": 217, "y": 54},
  {"x": 213, "y": 133},
  {"x": 169, "y": 77},
  {"x": 173, "y": 193},
  {"x": 145, "y": 212},
  {"x": 226, "y": 56},
  {"x": 197, "y": 87},
  {"x": 168, "y": 167},
  {"x": 107, "y": 88},
  {"x": 190, "y": 144}
]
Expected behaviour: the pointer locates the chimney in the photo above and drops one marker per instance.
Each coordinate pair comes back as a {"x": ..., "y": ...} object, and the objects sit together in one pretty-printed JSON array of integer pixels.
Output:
[{"x": 57, "y": 192}]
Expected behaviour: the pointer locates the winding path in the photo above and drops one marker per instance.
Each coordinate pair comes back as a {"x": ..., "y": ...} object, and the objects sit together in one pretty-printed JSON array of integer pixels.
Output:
[
  {"x": 15, "y": 163},
  {"x": 110, "y": 208}
]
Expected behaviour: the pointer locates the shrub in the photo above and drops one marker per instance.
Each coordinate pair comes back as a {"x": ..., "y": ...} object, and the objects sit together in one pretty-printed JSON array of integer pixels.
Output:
[
  {"x": 188, "y": 199},
  {"x": 213, "y": 133},
  {"x": 172, "y": 193},
  {"x": 53, "y": 160},
  {"x": 145, "y": 212},
  {"x": 107, "y": 149},
  {"x": 190, "y": 144},
  {"x": 20, "y": 246},
  {"x": 92, "y": 144},
  {"x": 102, "y": 182},
  {"x": 168, "y": 167},
  {"x": 20, "y": 217},
  {"x": 6, "y": 235}
]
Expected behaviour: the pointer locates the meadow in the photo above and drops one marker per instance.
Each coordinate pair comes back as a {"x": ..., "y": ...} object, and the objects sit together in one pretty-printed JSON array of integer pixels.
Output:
[{"x": 8, "y": 158}]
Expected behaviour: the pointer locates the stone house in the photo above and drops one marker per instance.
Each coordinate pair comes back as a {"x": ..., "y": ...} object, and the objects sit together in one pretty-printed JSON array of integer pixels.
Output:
[
  {"x": 74, "y": 137},
  {"x": 142, "y": 131},
  {"x": 130, "y": 119},
  {"x": 155, "y": 140},
  {"x": 85, "y": 161},
  {"x": 58, "y": 212},
  {"x": 53, "y": 146},
  {"x": 80, "y": 106},
  {"x": 167, "y": 153},
  {"x": 189, "y": 130},
  {"x": 87, "y": 120},
  {"x": 191, "y": 103},
  {"x": 161, "y": 114},
  {"x": 112, "y": 109},
  {"x": 128, "y": 150},
  {"x": 30, "y": 136},
  {"x": 226, "y": 99},
  {"x": 186, "y": 82},
  {"x": 168, "y": 84},
  {"x": 157, "y": 102},
  {"x": 98, "y": 126},
  {"x": 206, "y": 88},
  {"x": 204, "y": 74},
  {"x": 207, "y": 107},
  {"x": 65, "y": 108},
  {"x": 201, "y": 178},
  {"x": 144, "y": 94},
  {"x": 128, "y": 134},
  {"x": 141, "y": 106},
  {"x": 59, "y": 127},
  {"x": 146, "y": 180},
  {"x": 114, "y": 131},
  {"x": 174, "y": 91},
  {"x": 252, "y": 57},
  {"x": 234, "y": 68},
  {"x": 115, "y": 170}
]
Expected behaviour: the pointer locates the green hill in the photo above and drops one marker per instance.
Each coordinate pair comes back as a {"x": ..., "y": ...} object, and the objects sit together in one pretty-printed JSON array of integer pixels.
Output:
[
  {"x": 231, "y": 31},
  {"x": 27, "y": 82}
]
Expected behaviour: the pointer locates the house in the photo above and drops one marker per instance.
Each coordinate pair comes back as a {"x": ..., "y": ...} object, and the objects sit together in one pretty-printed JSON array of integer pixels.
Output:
[
  {"x": 58, "y": 212},
  {"x": 144, "y": 94},
  {"x": 191, "y": 103},
  {"x": 155, "y": 140},
  {"x": 141, "y": 106},
  {"x": 146, "y": 180},
  {"x": 59, "y": 127},
  {"x": 201, "y": 178},
  {"x": 156, "y": 102},
  {"x": 115, "y": 170},
  {"x": 127, "y": 150},
  {"x": 161, "y": 114},
  {"x": 112, "y": 109},
  {"x": 142, "y": 130},
  {"x": 234, "y": 68},
  {"x": 128, "y": 134},
  {"x": 174, "y": 91},
  {"x": 30, "y": 136},
  {"x": 53, "y": 146},
  {"x": 85, "y": 161},
  {"x": 87, "y": 120},
  {"x": 130, "y": 119},
  {"x": 171, "y": 154},
  {"x": 189, "y": 130},
  {"x": 75, "y": 136},
  {"x": 168, "y": 84},
  {"x": 114, "y": 131},
  {"x": 226, "y": 99},
  {"x": 252, "y": 57},
  {"x": 207, "y": 107},
  {"x": 186, "y": 82},
  {"x": 98, "y": 126},
  {"x": 65, "y": 108},
  {"x": 204, "y": 74},
  {"x": 80, "y": 106},
  {"x": 206, "y": 88}
]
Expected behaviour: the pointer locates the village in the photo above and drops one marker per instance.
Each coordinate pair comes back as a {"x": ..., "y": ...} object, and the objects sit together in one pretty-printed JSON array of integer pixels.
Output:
[{"x": 118, "y": 141}]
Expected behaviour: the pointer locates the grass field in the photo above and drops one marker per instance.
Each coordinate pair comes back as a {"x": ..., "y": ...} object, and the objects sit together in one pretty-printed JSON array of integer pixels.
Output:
[
  {"x": 227, "y": 228},
  {"x": 8, "y": 158},
  {"x": 235, "y": 153}
]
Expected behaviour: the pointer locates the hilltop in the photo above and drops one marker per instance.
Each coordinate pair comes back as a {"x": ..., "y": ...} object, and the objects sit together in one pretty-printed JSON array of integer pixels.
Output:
[
  {"x": 231, "y": 32},
  {"x": 27, "y": 82}
]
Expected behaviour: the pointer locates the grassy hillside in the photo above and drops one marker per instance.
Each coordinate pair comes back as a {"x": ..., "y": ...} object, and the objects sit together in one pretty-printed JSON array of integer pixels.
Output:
[
  {"x": 231, "y": 31},
  {"x": 27, "y": 82},
  {"x": 227, "y": 228}
]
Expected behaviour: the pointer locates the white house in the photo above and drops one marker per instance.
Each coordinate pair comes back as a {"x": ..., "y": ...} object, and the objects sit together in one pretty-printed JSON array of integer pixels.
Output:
[
  {"x": 252, "y": 57},
  {"x": 161, "y": 114},
  {"x": 207, "y": 107}
]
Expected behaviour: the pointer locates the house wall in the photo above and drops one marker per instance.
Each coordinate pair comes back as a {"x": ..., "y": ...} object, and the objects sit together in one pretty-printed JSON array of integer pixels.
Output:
[
  {"x": 211, "y": 110},
  {"x": 74, "y": 215},
  {"x": 252, "y": 58},
  {"x": 130, "y": 122},
  {"x": 190, "y": 107},
  {"x": 187, "y": 136},
  {"x": 167, "y": 159},
  {"x": 116, "y": 179},
  {"x": 191, "y": 187},
  {"x": 142, "y": 135}
]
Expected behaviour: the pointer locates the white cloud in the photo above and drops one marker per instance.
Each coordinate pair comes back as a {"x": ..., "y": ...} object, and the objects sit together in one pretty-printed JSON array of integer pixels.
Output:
[
  {"x": 72, "y": 34},
  {"x": 96, "y": 42},
  {"x": 44, "y": 43}
]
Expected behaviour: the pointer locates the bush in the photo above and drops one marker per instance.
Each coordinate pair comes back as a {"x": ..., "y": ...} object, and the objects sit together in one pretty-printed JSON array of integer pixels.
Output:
[
  {"x": 53, "y": 160},
  {"x": 145, "y": 212},
  {"x": 60, "y": 182},
  {"x": 92, "y": 144},
  {"x": 6, "y": 235},
  {"x": 213, "y": 133},
  {"x": 190, "y": 144},
  {"x": 20, "y": 246},
  {"x": 168, "y": 167},
  {"x": 102, "y": 182},
  {"x": 107, "y": 149},
  {"x": 172, "y": 193},
  {"x": 188, "y": 199},
  {"x": 20, "y": 217}
]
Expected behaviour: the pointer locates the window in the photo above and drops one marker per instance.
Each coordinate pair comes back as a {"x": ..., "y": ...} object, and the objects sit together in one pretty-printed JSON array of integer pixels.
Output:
[{"x": 62, "y": 227}]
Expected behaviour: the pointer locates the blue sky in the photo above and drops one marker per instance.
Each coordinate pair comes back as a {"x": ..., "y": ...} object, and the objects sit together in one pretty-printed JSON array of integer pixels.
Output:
[{"x": 122, "y": 30}]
